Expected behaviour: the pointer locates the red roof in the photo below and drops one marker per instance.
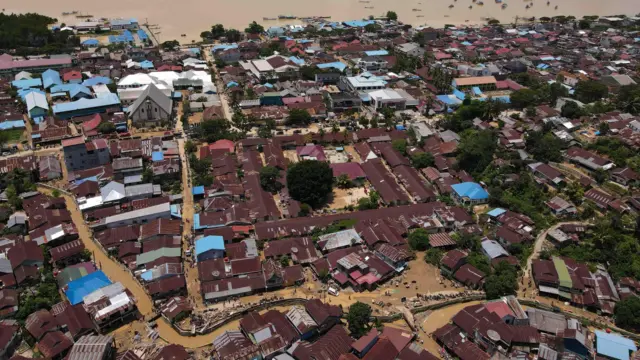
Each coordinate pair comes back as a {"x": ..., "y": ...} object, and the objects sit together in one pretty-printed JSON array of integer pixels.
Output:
[
  {"x": 73, "y": 141},
  {"x": 351, "y": 169},
  {"x": 223, "y": 144},
  {"x": 91, "y": 124},
  {"x": 400, "y": 338}
]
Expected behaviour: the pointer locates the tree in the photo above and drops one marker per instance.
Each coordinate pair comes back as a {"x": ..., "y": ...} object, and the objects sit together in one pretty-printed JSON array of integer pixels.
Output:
[
  {"x": 571, "y": 110},
  {"x": 363, "y": 121},
  {"x": 343, "y": 181},
  {"x": 269, "y": 176},
  {"x": 254, "y": 28},
  {"x": 240, "y": 120},
  {"x": 391, "y": 15},
  {"x": 627, "y": 313},
  {"x": 190, "y": 147},
  {"x": 433, "y": 256},
  {"x": 284, "y": 261},
  {"x": 372, "y": 28},
  {"x": 400, "y": 145},
  {"x": 601, "y": 176},
  {"x": 169, "y": 45},
  {"x": 476, "y": 149},
  {"x": 264, "y": 132},
  {"x": 503, "y": 282},
  {"x": 479, "y": 261},
  {"x": 310, "y": 182},
  {"x": 419, "y": 240},
  {"x": 422, "y": 160},
  {"x": 556, "y": 91},
  {"x": 584, "y": 24},
  {"x": 590, "y": 91},
  {"x": 494, "y": 22},
  {"x": 603, "y": 128},
  {"x": 358, "y": 318},
  {"x": 574, "y": 191},
  {"x": 106, "y": 127},
  {"x": 369, "y": 203},
  {"x": 523, "y": 98},
  {"x": 233, "y": 35},
  {"x": 55, "y": 193},
  {"x": 544, "y": 147},
  {"x": 299, "y": 117},
  {"x": 217, "y": 31},
  {"x": 628, "y": 99},
  {"x": 206, "y": 35}
]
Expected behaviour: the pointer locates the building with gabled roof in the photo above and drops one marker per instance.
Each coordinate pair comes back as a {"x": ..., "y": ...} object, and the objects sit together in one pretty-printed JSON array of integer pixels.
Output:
[{"x": 151, "y": 107}]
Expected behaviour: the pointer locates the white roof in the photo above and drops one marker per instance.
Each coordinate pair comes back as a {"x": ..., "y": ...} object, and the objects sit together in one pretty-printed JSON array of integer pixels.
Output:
[
  {"x": 131, "y": 94},
  {"x": 262, "y": 65},
  {"x": 113, "y": 191},
  {"x": 36, "y": 99},
  {"x": 117, "y": 301},
  {"x": 386, "y": 94},
  {"x": 101, "y": 90},
  {"x": 90, "y": 203}
]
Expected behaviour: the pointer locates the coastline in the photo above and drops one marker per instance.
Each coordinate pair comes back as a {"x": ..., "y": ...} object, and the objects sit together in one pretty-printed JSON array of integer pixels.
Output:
[{"x": 191, "y": 17}]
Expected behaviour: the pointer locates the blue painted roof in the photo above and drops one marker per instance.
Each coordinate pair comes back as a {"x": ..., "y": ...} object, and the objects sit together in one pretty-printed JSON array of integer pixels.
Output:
[
  {"x": 63, "y": 88},
  {"x": 195, "y": 51},
  {"x": 613, "y": 345},
  {"x": 449, "y": 99},
  {"x": 105, "y": 101},
  {"x": 496, "y": 212},
  {"x": 142, "y": 35},
  {"x": 175, "y": 211},
  {"x": 400, "y": 127},
  {"x": 336, "y": 65},
  {"x": 198, "y": 190},
  {"x": 377, "y": 53},
  {"x": 211, "y": 242},
  {"x": 22, "y": 93},
  {"x": 459, "y": 94},
  {"x": 296, "y": 60},
  {"x": 232, "y": 83},
  {"x": 473, "y": 191},
  {"x": 12, "y": 124},
  {"x": 224, "y": 47},
  {"x": 77, "y": 289},
  {"x": 157, "y": 156},
  {"x": 96, "y": 80},
  {"x": 128, "y": 36},
  {"x": 476, "y": 90},
  {"x": 50, "y": 78},
  {"x": 27, "y": 83},
  {"x": 146, "y": 64},
  {"x": 268, "y": 85},
  {"x": 465, "y": 43},
  {"x": 79, "y": 89}
]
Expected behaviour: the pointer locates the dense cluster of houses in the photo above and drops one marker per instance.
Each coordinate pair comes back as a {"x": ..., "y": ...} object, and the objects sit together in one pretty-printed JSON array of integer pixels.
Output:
[{"x": 502, "y": 328}]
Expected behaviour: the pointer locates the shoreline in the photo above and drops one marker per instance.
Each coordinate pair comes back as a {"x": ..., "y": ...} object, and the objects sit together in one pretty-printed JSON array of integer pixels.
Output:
[{"x": 191, "y": 17}]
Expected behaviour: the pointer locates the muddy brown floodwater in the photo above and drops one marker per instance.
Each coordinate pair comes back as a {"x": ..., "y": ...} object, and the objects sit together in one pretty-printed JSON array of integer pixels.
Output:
[{"x": 191, "y": 17}]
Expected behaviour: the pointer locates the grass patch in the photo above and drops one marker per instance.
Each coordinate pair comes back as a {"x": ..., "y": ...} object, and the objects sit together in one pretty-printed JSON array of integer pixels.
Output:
[{"x": 13, "y": 135}]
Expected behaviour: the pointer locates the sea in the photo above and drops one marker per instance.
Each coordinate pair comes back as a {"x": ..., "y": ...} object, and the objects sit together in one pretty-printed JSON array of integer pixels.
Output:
[{"x": 184, "y": 20}]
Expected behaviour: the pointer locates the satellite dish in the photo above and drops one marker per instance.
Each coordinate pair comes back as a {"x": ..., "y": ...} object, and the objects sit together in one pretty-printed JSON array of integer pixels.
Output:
[
  {"x": 216, "y": 273},
  {"x": 294, "y": 250},
  {"x": 493, "y": 335}
]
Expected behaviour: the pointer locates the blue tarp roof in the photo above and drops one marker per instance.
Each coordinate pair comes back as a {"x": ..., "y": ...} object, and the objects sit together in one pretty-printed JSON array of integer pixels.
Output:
[
  {"x": 466, "y": 43},
  {"x": 211, "y": 242},
  {"x": 176, "y": 95},
  {"x": 146, "y": 64},
  {"x": 377, "y": 53},
  {"x": 335, "y": 65},
  {"x": 27, "y": 83},
  {"x": 195, "y": 51},
  {"x": 232, "y": 83},
  {"x": 175, "y": 211},
  {"x": 12, "y": 124},
  {"x": 496, "y": 212},
  {"x": 459, "y": 94},
  {"x": 77, "y": 289},
  {"x": 477, "y": 91},
  {"x": 224, "y": 47},
  {"x": 358, "y": 23},
  {"x": 268, "y": 85},
  {"x": 473, "y": 191},
  {"x": 614, "y": 346},
  {"x": 93, "y": 178},
  {"x": 157, "y": 156},
  {"x": 96, "y": 80},
  {"x": 105, "y": 101},
  {"x": 449, "y": 99},
  {"x": 198, "y": 190},
  {"x": 400, "y": 127}
]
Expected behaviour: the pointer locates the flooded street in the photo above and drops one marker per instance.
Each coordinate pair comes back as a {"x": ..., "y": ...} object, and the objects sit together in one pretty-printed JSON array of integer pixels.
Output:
[{"x": 191, "y": 17}]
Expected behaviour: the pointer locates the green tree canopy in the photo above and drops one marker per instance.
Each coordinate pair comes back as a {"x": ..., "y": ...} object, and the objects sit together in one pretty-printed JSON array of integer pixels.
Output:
[
  {"x": 571, "y": 110},
  {"x": 217, "y": 31},
  {"x": 523, "y": 98},
  {"x": 299, "y": 117},
  {"x": 590, "y": 91},
  {"x": 170, "y": 45},
  {"x": 628, "y": 99},
  {"x": 422, "y": 160},
  {"x": 254, "y": 28},
  {"x": 400, "y": 145},
  {"x": 544, "y": 147},
  {"x": 190, "y": 147},
  {"x": 433, "y": 256},
  {"x": 269, "y": 176},
  {"x": 627, "y": 313},
  {"x": 476, "y": 149},
  {"x": 310, "y": 182},
  {"x": 503, "y": 282},
  {"x": 233, "y": 35},
  {"x": 419, "y": 240},
  {"x": 358, "y": 318},
  {"x": 106, "y": 127},
  {"x": 391, "y": 15}
]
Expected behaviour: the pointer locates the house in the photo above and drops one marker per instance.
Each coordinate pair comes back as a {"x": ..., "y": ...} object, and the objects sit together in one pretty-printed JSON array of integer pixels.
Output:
[
  {"x": 151, "y": 108},
  {"x": 410, "y": 49},
  {"x": 588, "y": 159},
  {"x": 624, "y": 176},
  {"x": 302, "y": 321},
  {"x": 37, "y": 105},
  {"x": 95, "y": 347},
  {"x": 481, "y": 82},
  {"x": 9, "y": 338},
  {"x": 470, "y": 276},
  {"x": 49, "y": 168},
  {"x": 561, "y": 207},
  {"x": 26, "y": 258},
  {"x": 39, "y": 323},
  {"x": 546, "y": 174},
  {"x": 613, "y": 346},
  {"x": 110, "y": 306},
  {"x": 311, "y": 152},
  {"x": 325, "y": 315},
  {"x": 390, "y": 98},
  {"x": 353, "y": 170},
  {"x": 469, "y": 193},
  {"x": 54, "y": 345},
  {"x": 83, "y": 107},
  {"x": 209, "y": 247},
  {"x": 330, "y": 346},
  {"x": 234, "y": 345},
  {"x": 344, "y": 101},
  {"x": 176, "y": 309},
  {"x": 452, "y": 261},
  {"x": 492, "y": 249},
  {"x": 81, "y": 155},
  {"x": 73, "y": 319}
]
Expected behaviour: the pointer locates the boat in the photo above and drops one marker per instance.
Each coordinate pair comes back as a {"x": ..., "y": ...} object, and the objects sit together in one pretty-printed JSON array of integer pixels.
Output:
[
  {"x": 286, "y": 17},
  {"x": 368, "y": 7},
  {"x": 480, "y": 3},
  {"x": 556, "y": 7},
  {"x": 446, "y": 16},
  {"x": 183, "y": 35},
  {"x": 470, "y": 7},
  {"x": 419, "y": 15},
  {"x": 365, "y": 1},
  {"x": 498, "y": 1},
  {"x": 526, "y": 7},
  {"x": 450, "y": 6},
  {"x": 548, "y": 3},
  {"x": 269, "y": 18},
  {"x": 416, "y": 9},
  {"x": 84, "y": 16},
  {"x": 504, "y": 6}
]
